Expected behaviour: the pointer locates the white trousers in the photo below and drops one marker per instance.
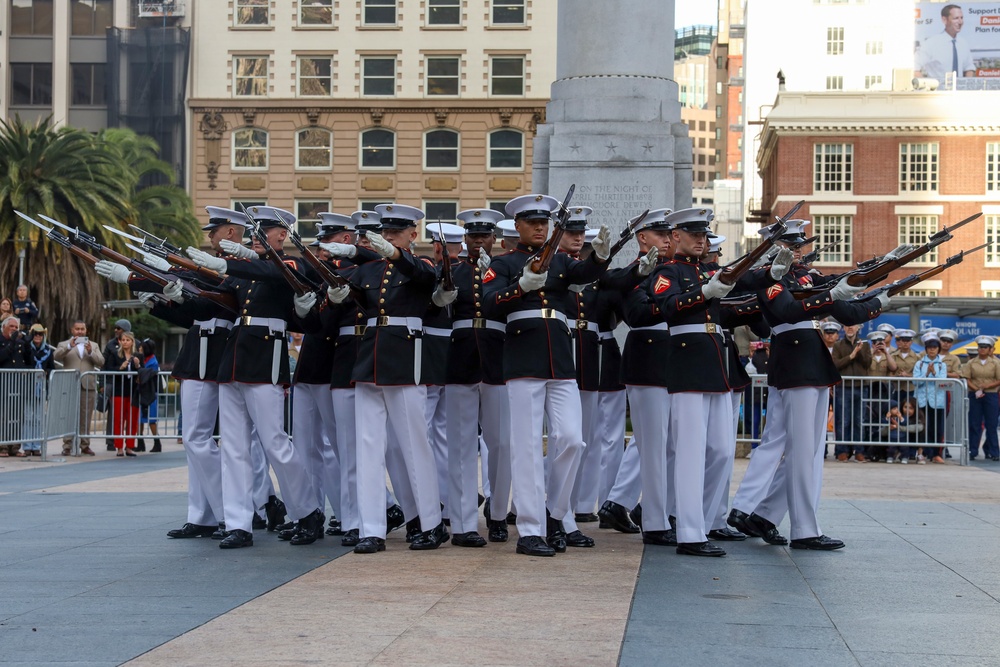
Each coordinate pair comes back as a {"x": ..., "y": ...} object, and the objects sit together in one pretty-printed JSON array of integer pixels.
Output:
[
  {"x": 531, "y": 402},
  {"x": 484, "y": 458},
  {"x": 584, "y": 497},
  {"x": 628, "y": 482},
  {"x": 651, "y": 410},
  {"x": 610, "y": 440},
  {"x": 315, "y": 433},
  {"x": 495, "y": 420},
  {"x": 200, "y": 406},
  {"x": 437, "y": 436},
  {"x": 263, "y": 486},
  {"x": 765, "y": 461},
  {"x": 719, "y": 456},
  {"x": 343, "y": 411},
  {"x": 695, "y": 420},
  {"x": 463, "y": 407},
  {"x": 260, "y": 406},
  {"x": 401, "y": 408}
]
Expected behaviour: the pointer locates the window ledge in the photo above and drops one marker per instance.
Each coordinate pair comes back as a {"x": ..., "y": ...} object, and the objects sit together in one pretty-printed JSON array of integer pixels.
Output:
[
  {"x": 380, "y": 27},
  {"x": 314, "y": 27},
  {"x": 513, "y": 26},
  {"x": 252, "y": 27},
  {"x": 443, "y": 27}
]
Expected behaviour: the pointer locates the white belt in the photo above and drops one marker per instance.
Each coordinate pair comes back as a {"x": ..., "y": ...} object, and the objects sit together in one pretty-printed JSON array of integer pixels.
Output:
[
  {"x": 414, "y": 324},
  {"x": 605, "y": 335},
  {"x": 272, "y": 323},
  {"x": 209, "y": 326},
  {"x": 707, "y": 328},
  {"x": 356, "y": 330},
  {"x": 541, "y": 314},
  {"x": 585, "y": 325},
  {"x": 662, "y": 326},
  {"x": 478, "y": 323},
  {"x": 435, "y": 331},
  {"x": 784, "y": 328}
]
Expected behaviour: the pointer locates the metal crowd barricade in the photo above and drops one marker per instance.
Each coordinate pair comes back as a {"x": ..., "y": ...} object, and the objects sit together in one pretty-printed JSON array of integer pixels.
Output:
[
  {"x": 62, "y": 409},
  {"x": 131, "y": 420},
  {"x": 22, "y": 406}
]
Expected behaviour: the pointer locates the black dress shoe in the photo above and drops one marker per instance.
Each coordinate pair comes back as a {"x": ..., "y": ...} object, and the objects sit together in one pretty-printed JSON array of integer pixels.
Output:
[
  {"x": 275, "y": 510},
  {"x": 111, "y": 447},
  {"x": 236, "y": 539},
  {"x": 430, "y": 539},
  {"x": 334, "y": 528},
  {"x": 192, "y": 530},
  {"x": 220, "y": 533},
  {"x": 586, "y": 517},
  {"x": 604, "y": 525},
  {"x": 288, "y": 525},
  {"x": 471, "y": 539},
  {"x": 767, "y": 530},
  {"x": 370, "y": 545},
  {"x": 129, "y": 452},
  {"x": 821, "y": 543},
  {"x": 511, "y": 519},
  {"x": 660, "y": 538},
  {"x": 486, "y": 511},
  {"x": 258, "y": 522},
  {"x": 636, "y": 515},
  {"x": 699, "y": 549},
  {"x": 286, "y": 531},
  {"x": 350, "y": 538},
  {"x": 412, "y": 529},
  {"x": 498, "y": 531},
  {"x": 616, "y": 516},
  {"x": 533, "y": 545},
  {"x": 394, "y": 518},
  {"x": 741, "y": 522},
  {"x": 310, "y": 528},
  {"x": 726, "y": 535},
  {"x": 555, "y": 534},
  {"x": 578, "y": 539}
]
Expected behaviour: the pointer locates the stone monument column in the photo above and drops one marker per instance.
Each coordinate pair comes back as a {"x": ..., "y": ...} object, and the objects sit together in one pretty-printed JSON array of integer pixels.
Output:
[{"x": 614, "y": 126}]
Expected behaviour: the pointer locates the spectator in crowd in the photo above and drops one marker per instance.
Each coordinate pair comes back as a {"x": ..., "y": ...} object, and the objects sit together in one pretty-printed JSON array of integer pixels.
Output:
[
  {"x": 951, "y": 361},
  {"x": 852, "y": 357},
  {"x": 111, "y": 364},
  {"x": 831, "y": 333},
  {"x": 80, "y": 354},
  {"x": 14, "y": 353},
  {"x": 905, "y": 359},
  {"x": 983, "y": 376},
  {"x": 6, "y": 309},
  {"x": 880, "y": 393},
  {"x": 754, "y": 406},
  {"x": 930, "y": 398},
  {"x": 149, "y": 408},
  {"x": 125, "y": 394},
  {"x": 25, "y": 308},
  {"x": 890, "y": 333},
  {"x": 901, "y": 425},
  {"x": 34, "y": 411}
]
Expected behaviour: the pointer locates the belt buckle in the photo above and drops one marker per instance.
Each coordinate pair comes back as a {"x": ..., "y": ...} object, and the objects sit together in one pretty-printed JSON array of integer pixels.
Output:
[
  {"x": 711, "y": 328},
  {"x": 815, "y": 324},
  {"x": 479, "y": 323},
  {"x": 549, "y": 313},
  {"x": 359, "y": 329},
  {"x": 581, "y": 324},
  {"x": 382, "y": 321},
  {"x": 246, "y": 320}
]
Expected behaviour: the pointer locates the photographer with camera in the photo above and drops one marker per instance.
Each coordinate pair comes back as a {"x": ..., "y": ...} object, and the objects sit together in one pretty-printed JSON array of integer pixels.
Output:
[
  {"x": 14, "y": 353},
  {"x": 79, "y": 353}
]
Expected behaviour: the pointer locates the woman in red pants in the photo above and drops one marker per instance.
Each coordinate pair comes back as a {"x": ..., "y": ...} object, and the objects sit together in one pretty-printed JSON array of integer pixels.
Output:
[{"x": 125, "y": 396}]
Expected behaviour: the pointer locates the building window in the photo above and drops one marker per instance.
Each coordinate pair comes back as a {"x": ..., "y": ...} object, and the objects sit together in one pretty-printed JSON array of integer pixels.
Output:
[
  {"x": 873, "y": 81},
  {"x": 445, "y": 211},
  {"x": 313, "y": 148},
  {"x": 500, "y": 206},
  {"x": 829, "y": 228},
  {"x": 316, "y": 76},
  {"x": 873, "y": 48},
  {"x": 993, "y": 237},
  {"x": 834, "y": 167},
  {"x": 370, "y": 205},
  {"x": 508, "y": 12},
  {"x": 834, "y": 83},
  {"x": 31, "y": 84},
  {"x": 378, "y": 149},
  {"x": 378, "y": 76},
  {"x": 915, "y": 229},
  {"x": 718, "y": 111},
  {"x": 379, "y": 12},
  {"x": 88, "y": 85},
  {"x": 307, "y": 215},
  {"x": 991, "y": 294},
  {"x": 918, "y": 168},
  {"x": 992, "y": 166},
  {"x": 30, "y": 17},
  {"x": 442, "y": 76},
  {"x": 919, "y": 292},
  {"x": 834, "y": 41},
  {"x": 250, "y": 148},
  {"x": 444, "y": 12},
  {"x": 441, "y": 149},
  {"x": 506, "y": 150},
  {"x": 250, "y": 76},
  {"x": 91, "y": 17},
  {"x": 507, "y": 76},
  {"x": 252, "y": 12},
  {"x": 316, "y": 12}
]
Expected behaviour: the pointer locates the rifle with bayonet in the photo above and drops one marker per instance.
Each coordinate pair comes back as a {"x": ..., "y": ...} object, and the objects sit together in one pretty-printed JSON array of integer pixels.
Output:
[
  {"x": 298, "y": 285},
  {"x": 62, "y": 240},
  {"x": 447, "y": 280},
  {"x": 551, "y": 246},
  {"x": 732, "y": 272},
  {"x": 815, "y": 254},
  {"x": 903, "y": 284},
  {"x": 627, "y": 234},
  {"x": 165, "y": 253}
]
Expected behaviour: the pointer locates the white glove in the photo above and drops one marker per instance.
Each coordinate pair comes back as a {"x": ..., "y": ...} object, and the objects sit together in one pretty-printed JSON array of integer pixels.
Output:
[
  {"x": 602, "y": 243},
  {"x": 157, "y": 263},
  {"x": 443, "y": 297},
  {"x": 237, "y": 250},
  {"x": 340, "y": 250},
  {"x": 380, "y": 245},
  {"x": 338, "y": 294},
  {"x": 715, "y": 288},
  {"x": 648, "y": 262},
  {"x": 174, "y": 292},
  {"x": 781, "y": 263},
  {"x": 116, "y": 273},
  {"x": 899, "y": 251},
  {"x": 531, "y": 281},
  {"x": 883, "y": 298},
  {"x": 304, "y": 303},
  {"x": 577, "y": 288},
  {"x": 146, "y": 298},
  {"x": 842, "y": 291},
  {"x": 484, "y": 260},
  {"x": 202, "y": 258}
]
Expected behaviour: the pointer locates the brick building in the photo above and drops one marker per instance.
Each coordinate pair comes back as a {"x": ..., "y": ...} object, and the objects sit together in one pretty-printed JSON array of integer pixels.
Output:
[{"x": 882, "y": 168}]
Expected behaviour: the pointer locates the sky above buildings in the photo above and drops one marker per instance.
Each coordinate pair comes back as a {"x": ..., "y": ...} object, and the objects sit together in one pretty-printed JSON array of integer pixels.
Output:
[{"x": 694, "y": 12}]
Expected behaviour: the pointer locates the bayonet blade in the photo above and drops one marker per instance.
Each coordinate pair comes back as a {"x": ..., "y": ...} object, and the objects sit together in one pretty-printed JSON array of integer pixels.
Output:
[
  {"x": 147, "y": 235},
  {"x": 47, "y": 230},
  {"x": 57, "y": 223},
  {"x": 121, "y": 233}
]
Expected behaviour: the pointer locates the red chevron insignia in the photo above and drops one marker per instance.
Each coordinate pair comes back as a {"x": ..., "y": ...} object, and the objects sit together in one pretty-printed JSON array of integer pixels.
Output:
[
  {"x": 773, "y": 291},
  {"x": 662, "y": 285},
  {"x": 490, "y": 275}
]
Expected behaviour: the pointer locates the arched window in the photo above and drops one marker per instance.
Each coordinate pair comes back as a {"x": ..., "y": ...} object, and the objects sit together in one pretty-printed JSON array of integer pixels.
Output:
[
  {"x": 441, "y": 149},
  {"x": 378, "y": 149},
  {"x": 313, "y": 148},
  {"x": 250, "y": 148},
  {"x": 506, "y": 149}
]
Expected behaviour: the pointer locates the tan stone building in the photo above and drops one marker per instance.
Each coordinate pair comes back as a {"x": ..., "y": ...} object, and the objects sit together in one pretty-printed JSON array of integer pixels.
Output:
[{"x": 315, "y": 105}]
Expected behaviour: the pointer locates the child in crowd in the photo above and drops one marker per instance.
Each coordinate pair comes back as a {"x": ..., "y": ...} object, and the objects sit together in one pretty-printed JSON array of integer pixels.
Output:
[{"x": 902, "y": 425}]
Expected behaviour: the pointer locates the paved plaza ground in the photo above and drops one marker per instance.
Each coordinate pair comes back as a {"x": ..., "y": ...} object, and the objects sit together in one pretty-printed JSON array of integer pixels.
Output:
[{"x": 88, "y": 577}]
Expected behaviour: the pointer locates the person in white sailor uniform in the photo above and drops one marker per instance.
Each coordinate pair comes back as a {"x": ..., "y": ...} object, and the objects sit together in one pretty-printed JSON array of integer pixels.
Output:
[
  {"x": 538, "y": 367},
  {"x": 397, "y": 289},
  {"x": 253, "y": 376}
]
